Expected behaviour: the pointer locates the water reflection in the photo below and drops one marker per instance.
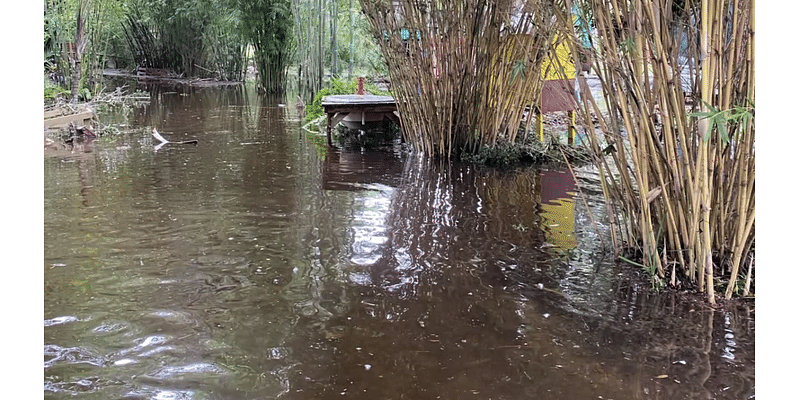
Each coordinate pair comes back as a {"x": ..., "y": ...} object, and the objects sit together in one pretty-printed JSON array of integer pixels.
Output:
[
  {"x": 260, "y": 264},
  {"x": 556, "y": 190},
  {"x": 431, "y": 258}
]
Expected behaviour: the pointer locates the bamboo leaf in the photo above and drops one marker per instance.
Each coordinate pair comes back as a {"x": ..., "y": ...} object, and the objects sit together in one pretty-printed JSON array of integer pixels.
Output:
[
  {"x": 700, "y": 114},
  {"x": 747, "y": 118},
  {"x": 707, "y": 135},
  {"x": 632, "y": 262},
  {"x": 518, "y": 69},
  {"x": 722, "y": 127}
]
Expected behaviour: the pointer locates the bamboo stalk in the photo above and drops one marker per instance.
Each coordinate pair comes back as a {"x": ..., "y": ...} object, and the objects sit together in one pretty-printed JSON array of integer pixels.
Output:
[
  {"x": 669, "y": 172},
  {"x": 453, "y": 74}
]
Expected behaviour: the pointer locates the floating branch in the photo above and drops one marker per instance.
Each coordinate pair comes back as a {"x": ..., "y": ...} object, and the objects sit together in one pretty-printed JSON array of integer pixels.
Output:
[{"x": 165, "y": 141}]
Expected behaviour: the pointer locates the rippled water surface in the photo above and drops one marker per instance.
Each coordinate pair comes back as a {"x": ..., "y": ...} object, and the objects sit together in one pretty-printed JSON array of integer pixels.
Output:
[{"x": 258, "y": 264}]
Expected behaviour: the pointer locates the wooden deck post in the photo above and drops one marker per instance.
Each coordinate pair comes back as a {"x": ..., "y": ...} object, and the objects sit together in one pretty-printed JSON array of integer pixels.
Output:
[{"x": 328, "y": 130}]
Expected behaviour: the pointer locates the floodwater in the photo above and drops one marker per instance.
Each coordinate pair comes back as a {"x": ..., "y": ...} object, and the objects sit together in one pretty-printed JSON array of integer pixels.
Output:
[{"x": 258, "y": 264}]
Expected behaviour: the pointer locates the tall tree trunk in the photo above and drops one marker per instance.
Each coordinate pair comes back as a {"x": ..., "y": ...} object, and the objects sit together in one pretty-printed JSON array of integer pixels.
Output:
[
  {"x": 350, "y": 69},
  {"x": 80, "y": 47},
  {"x": 334, "y": 34},
  {"x": 320, "y": 47}
]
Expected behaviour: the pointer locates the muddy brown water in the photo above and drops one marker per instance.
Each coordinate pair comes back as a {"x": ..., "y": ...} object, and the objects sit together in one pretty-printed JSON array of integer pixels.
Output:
[{"x": 258, "y": 264}]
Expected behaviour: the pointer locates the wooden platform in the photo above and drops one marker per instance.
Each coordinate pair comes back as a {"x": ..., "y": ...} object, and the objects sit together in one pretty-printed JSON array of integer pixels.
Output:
[
  {"x": 337, "y": 107},
  {"x": 62, "y": 117}
]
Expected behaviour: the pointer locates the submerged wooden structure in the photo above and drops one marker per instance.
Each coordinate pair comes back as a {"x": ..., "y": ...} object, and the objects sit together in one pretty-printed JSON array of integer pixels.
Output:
[
  {"x": 358, "y": 109},
  {"x": 61, "y": 117}
]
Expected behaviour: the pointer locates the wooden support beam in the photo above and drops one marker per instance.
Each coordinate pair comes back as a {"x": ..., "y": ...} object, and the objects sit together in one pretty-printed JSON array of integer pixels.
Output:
[
  {"x": 333, "y": 119},
  {"x": 338, "y": 117},
  {"x": 328, "y": 130}
]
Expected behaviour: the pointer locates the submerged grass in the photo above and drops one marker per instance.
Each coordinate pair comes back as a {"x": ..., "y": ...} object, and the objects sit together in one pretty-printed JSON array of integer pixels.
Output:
[{"x": 507, "y": 155}]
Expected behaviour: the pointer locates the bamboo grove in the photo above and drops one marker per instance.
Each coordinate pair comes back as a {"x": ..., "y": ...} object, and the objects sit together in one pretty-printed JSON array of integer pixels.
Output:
[
  {"x": 673, "y": 131},
  {"x": 267, "y": 24},
  {"x": 460, "y": 69},
  {"x": 78, "y": 38},
  {"x": 676, "y": 144},
  {"x": 329, "y": 36},
  {"x": 312, "y": 39}
]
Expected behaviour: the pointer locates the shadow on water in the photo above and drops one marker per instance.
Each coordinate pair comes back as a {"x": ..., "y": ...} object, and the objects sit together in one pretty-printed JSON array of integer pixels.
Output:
[{"x": 260, "y": 264}]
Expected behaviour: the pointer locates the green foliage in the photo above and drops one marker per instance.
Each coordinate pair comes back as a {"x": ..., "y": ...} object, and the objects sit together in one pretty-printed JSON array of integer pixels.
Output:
[
  {"x": 507, "y": 155},
  {"x": 720, "y": 118},
  {"x": 199, "y": 38},
  {"x": 85, "y": 94},
  {"x": 502, "y": 155},
  {"x": 207, "y": 38},
  {"x": 517, "y": 69},
  {"x": 365, "y": 55},
  {"x": 168, "y": 34},
  {"x": 102, "y": 39},
  {"x": 352, "y": 52},
  {"x": 53, "y": 92},
  {"x": 267, "y": 24},
  {"x": 628, "y": 47},
  {"x": 225, "y": 46},
  {"x": 314, "y": 110}
]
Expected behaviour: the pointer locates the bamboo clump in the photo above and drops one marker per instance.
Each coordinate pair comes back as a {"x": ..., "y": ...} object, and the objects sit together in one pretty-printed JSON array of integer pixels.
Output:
[
  {"x": 678, "y": 140},
  {"x": 208, "y": 44},
  {"x": 465, "y": 73},
  {"x": 309, "y": 32}
]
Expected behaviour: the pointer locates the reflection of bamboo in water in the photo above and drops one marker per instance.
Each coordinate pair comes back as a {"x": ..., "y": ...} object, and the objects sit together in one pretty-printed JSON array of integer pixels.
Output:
[
  {"x": 477, "y": 220},
  {"x": 86, "y": 166},
  {"x": 709, "y": 338},
  {"x": 317, "y": 264},
  {"x": 667, "y": 338}
]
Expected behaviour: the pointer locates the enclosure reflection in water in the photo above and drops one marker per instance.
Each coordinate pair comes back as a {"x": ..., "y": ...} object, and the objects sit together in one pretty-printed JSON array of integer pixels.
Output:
[{"x": 261, "y": 264}]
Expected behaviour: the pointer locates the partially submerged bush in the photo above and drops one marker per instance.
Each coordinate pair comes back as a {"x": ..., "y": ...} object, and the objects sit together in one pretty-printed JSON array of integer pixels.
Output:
[{"x": 506, "y": 155}]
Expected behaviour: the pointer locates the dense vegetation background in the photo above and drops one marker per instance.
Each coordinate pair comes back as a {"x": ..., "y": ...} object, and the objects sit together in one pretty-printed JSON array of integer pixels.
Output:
[{"x": 289, "y": 42}]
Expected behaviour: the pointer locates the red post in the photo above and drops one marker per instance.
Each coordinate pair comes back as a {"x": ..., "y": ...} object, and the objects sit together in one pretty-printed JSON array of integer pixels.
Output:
[{"x": 360, "y": 89}]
